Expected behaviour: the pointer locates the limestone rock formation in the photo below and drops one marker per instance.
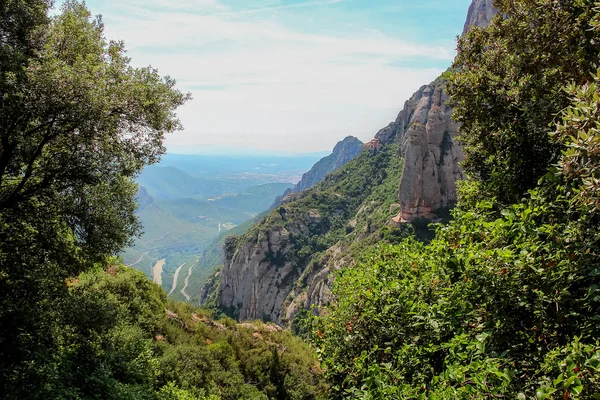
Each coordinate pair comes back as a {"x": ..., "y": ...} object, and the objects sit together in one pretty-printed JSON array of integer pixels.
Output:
[
  {"x": 426, "y": 133},
  {"x": 480, "y": 13},
  {"x": 258, "y": 275},
  {"x": 343, "y": 152}
]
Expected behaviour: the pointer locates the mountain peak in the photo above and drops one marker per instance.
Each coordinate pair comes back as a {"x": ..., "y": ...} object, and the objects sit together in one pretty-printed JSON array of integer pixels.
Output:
[
  {"x": 480, "y": 13},
  {"x": 348, "y": 141},
  {"x": 344, "y": 151}
]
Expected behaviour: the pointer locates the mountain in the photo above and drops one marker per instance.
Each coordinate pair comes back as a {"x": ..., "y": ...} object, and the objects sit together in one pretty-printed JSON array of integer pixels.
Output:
[
  {"x": 268, "y": 271},
  {"x": 427, "y": 135},
  {"x": 404, "y": 178},
  {"x": 480, "y": 13},
  {"x": 143, "y": 198},
  {"x": 344, "y": 151}
]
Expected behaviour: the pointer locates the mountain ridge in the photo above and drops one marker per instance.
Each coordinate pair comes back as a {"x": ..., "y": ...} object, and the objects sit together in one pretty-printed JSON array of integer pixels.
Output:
[
  {"x": 343, "y": 152},
  {"x": 405, "y": 177}
]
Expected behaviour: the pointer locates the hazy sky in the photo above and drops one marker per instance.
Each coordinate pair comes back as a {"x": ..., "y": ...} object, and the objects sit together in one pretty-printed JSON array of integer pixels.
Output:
[{"x": 287, "y": 75}]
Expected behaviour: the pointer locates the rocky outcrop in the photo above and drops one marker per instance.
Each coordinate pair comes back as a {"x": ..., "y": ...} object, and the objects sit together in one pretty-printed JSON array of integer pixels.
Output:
[
  {"x": 480, "y": 13},
  {"x": 259, "y": 273},
  {"x": 427, "y": 136},
  {"x": 317, "y": 291},
  {"x": 254, "y": 276},
  {"x": 343, "y": 152}
]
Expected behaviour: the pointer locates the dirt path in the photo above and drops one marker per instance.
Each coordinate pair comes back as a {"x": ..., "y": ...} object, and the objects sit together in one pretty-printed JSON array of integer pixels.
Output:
[
  {"x": 187, "y": 278},
  {"x": 174, "y": 286},
  {"x": 138, "y": 260},
  {"x": 157, "y": 271}
]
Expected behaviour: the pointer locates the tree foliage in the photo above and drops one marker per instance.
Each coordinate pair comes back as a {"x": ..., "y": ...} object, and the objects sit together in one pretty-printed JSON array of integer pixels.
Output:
[
  {"x": 77, "y": 123},
  {"x": 505, "y": 301},
  {"x": 507, "y": 87},
  {"x": 122, "y": 339}
]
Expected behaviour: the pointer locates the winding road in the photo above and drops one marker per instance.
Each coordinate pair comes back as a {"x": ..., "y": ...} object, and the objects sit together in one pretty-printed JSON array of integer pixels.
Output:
[
  {"x": 174, "y": 286},
  {"x": 138, "y": 260},
  {"x": 182, "y": 291}
]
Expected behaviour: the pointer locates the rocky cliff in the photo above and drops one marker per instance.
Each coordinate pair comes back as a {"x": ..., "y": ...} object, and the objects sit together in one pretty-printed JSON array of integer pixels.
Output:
[
  {"x": 253, "y": 276},
  {"x": 480, "y": 13},
  {"x": 344, "y": 151},
  {"x": 427, "y": 137},
  {"x": 285, "y": 262},
  {"x": 282, "y": 264}
]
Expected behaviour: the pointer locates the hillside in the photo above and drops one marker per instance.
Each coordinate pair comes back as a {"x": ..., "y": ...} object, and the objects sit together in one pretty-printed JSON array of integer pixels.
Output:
[
  {"x": 403, "y": 179},
  {"x": 288, "y": 249},
  {"x": 180, "y": 230},
  {"x": 343, "y": 152},
  {"x": 188, "y": 216}
]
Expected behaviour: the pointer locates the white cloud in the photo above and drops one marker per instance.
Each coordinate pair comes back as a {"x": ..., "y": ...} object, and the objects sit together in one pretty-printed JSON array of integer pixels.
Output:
[{"x": 261, "y": 84}]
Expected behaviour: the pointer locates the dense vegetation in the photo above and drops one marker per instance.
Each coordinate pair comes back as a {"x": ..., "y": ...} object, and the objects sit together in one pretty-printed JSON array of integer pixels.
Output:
[
  {"x": 77, "y": 125},
  {"x": 505, "y": 301},
  {"x": 122, "y": 339}
]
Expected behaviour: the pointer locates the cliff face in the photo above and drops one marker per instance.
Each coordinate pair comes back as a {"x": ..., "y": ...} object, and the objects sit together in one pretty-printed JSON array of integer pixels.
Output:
[
  {"x": 253, "y": 284},
  {"x": 260, "y": 269},
  {"x": 480, "y": 13},
  {"x": 426, "y": 134},
  {"x": 344, "y": 151}
]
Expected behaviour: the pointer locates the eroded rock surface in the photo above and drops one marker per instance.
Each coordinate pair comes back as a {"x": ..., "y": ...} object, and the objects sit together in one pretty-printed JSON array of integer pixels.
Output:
[
  {"x": 256, "y": 279},
  {"x": 427, "y": 136},
  {"x": 480, "y": 13}
]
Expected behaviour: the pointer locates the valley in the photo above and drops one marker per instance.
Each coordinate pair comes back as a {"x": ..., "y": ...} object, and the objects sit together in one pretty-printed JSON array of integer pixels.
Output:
[{"x": 187, "y": 202}]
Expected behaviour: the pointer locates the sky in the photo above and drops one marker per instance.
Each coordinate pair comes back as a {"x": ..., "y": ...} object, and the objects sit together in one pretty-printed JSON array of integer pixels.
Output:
[{"x": 286, "y": 76}]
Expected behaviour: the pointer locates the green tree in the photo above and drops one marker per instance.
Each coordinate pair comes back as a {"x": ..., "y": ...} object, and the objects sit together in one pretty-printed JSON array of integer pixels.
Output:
[
  {"x": 498, "y": 305},
  {"x": 507, "y": 88},
  {"x": 77, "y": 124}
]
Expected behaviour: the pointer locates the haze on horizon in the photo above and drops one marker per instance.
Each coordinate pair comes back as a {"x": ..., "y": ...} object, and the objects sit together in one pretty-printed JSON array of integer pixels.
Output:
[{"x": 290, "y": 76}]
